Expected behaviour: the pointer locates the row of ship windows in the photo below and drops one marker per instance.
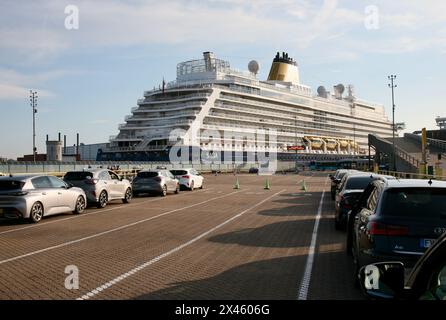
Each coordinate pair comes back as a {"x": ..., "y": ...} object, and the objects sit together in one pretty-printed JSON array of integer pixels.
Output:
[
  {"x": 301, "y": 124},
  {"x": 275, "y": 107},
  {"x": 218, "y": 125},
  {"x": 332, "y": 121}
]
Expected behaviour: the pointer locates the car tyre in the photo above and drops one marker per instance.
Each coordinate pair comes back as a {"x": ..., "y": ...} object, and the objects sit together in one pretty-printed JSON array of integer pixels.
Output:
[
  {"x": 80, "y": 206},
  {"x": 191, "y": 186},
  {"x": 103, "y": 199},
  {"x": 177, "y": 190},
  {"x": 202, "y": 185},
  {"x": 128, "y": 195},
  {"x": 164, "y": 191},
  {"x": 36, "y": 213}
]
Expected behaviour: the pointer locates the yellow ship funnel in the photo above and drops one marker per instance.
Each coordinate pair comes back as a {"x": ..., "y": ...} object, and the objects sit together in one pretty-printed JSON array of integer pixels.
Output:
[{"x": 284, "y": 69}]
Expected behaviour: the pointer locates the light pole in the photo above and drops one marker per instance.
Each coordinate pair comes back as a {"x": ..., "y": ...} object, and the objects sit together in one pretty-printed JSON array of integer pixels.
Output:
[
  {"x": 33, "y": 103},
  {"x": 393, "y": 86}
]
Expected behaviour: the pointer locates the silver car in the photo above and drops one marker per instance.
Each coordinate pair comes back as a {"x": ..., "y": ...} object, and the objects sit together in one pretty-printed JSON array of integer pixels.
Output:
[
  {"x": 155, "y": 181},
  {"x": 32, "y": 197},
  {"x": 101, "y": 185}
]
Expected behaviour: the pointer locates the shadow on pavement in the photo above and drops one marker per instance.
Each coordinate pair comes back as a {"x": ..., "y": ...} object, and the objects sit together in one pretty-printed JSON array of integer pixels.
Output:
[{"x": 272, "y": 279}]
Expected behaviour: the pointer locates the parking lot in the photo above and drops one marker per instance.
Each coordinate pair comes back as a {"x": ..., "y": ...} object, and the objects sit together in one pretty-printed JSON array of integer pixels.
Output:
[{"x": 215, "y": 243}]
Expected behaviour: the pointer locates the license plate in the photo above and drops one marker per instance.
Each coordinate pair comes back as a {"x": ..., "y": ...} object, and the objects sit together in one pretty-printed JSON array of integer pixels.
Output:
[{"x": 426, "y": 243}]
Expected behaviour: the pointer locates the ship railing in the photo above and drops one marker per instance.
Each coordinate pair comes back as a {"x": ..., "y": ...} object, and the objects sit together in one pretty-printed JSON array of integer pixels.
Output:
[
  {"x": 440, "y": 144},
  {"x": 153, "y": 117},
  {"x": 170, "y": 107},
  {"x": 171, "y": 98}
]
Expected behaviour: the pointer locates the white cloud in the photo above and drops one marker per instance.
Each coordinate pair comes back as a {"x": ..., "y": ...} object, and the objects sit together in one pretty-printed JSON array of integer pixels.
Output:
[
  {"x": 293, "y": 24},
  {"x": 16, "y": 92}
]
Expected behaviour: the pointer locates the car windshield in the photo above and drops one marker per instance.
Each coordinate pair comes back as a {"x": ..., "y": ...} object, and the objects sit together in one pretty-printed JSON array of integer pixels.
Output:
[
  {"x": 178, "y": 172},
  {"x": 78, "y": 175},
  {"x": 149, "y": 174},
  {"x": 7, "y": 185},
  {"x": 354, "y": 183},
  {"x": 415, "y": 202}
]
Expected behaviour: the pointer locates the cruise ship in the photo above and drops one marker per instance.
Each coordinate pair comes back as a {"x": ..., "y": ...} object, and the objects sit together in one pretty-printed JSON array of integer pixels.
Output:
[{"x": 213, "y": 109}]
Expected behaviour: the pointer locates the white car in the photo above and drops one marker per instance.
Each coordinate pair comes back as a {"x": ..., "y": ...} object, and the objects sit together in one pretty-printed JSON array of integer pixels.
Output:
[
  {"x": 189, "y": 178},
  {"x": 32, "y": 197}
]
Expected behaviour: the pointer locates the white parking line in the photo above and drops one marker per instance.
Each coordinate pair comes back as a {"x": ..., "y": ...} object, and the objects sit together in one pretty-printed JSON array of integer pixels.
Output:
[
  {"x": 305, "y": 284},
  {"x": 93, "y": 212},
  {"x": 111, "y": 230},
  {"x": 152, "y": 261}
]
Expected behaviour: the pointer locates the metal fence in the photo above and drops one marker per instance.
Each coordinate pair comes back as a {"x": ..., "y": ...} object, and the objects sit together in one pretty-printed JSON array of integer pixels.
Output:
[{"x": 62, "y": 167}]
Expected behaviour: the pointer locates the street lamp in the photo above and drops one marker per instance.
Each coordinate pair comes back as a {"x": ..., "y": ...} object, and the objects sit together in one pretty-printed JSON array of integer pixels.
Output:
[
  {"x": 33, "y": 103},
  {"x": 393, "y": 86}
]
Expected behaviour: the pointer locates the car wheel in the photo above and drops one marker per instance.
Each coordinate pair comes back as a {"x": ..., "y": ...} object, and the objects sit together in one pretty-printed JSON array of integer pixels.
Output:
[
  {"x": 103, "y": 199},
  {"x": 177, "y": 190},
  {"x": 127, "y": 196},
  {"x": 36, "y": 213},
  {"x": 80, "y": 205},
  {"x": 202, "y": 185},
  {"x": 164, "y": 192},
  {"x": 191, "y": 186}
]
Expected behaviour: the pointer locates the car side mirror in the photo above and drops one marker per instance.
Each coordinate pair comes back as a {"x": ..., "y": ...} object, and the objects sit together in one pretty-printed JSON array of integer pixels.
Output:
[{"x": 384, "y": 280}]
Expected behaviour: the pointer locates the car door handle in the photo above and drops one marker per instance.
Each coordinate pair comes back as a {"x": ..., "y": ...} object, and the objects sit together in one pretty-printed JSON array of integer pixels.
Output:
[
  {"x": 59, "y": 193},
  {"x": 43, "y": 193}
]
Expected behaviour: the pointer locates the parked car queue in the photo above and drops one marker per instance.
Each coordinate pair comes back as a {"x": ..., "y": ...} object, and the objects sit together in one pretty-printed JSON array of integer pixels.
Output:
[
  {"x": 32, "y": 197},
  {"x": 391, "y": 224}
]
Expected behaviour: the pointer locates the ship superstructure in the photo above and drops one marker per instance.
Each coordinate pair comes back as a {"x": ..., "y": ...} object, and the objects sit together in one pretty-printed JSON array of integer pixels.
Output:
[{"x": 208, "y": 99}]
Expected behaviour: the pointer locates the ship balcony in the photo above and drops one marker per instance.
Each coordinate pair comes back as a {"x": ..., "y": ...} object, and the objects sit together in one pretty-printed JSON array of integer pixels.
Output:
[
  {"x": 173, "y": 98},
  {"x": 111, "y": 138},
  {"x": 172, "y": 107},
  {"x": 158, "y": 125},
  {"x": 163, "y": 117},
  {"x": 125, "y": 137}
]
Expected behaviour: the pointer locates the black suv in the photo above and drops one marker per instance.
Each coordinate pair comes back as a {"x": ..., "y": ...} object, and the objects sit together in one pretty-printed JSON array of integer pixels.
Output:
[
  {"x": 427, "y": 281},
  {"x": 397, "y": 220}
]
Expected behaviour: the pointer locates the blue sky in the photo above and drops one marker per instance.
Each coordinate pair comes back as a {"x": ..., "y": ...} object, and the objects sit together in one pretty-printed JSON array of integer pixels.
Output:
[{"x": 89, "y": 78}]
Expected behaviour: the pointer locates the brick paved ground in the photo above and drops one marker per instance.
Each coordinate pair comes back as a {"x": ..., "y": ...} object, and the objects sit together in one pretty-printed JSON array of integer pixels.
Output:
[{"x": 260, "y": 254}]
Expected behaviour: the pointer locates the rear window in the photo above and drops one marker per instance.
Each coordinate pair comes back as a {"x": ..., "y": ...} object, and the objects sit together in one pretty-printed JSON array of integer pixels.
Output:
[
  {"x": 415, "y": 202},
  {"x": 7, "y": 185},
  {"x": 341, "y": 175},
  {"x": 178, "y": 172},
  {"x": 78, "y": 175},
  {"x": 358, "y": 183},
  {"x": 147, "y": 174}
]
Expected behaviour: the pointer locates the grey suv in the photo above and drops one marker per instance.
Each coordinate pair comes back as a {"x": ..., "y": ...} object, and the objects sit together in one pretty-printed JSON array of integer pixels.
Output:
[
  {"x": 155, "y": 181},
  {"x": 101, "y": 185}
]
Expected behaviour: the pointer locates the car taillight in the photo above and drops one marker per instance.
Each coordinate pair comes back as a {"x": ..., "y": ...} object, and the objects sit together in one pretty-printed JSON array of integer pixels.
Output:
[
  {"x": 345, "y": 202},
  {"x": 91, "y": 181},
  {"x": 19, "y": 193},
  {"x": 387, "y": 230},
  {"x": 185, "y": 177}
]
